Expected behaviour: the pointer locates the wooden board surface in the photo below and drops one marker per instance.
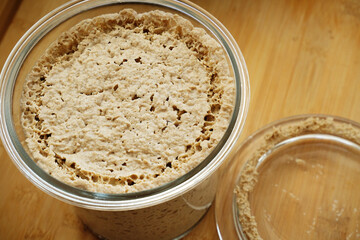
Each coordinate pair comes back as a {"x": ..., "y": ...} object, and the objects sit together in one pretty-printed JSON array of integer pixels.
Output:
[
  {"x": 302, "y": 57},
  {"x": 7, "y": 10}
]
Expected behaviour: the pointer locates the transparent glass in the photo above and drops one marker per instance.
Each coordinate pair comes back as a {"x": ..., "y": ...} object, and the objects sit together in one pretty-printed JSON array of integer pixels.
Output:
[
  {"x": 307, "y": 185},
  {"x": 167, "y": 211}
]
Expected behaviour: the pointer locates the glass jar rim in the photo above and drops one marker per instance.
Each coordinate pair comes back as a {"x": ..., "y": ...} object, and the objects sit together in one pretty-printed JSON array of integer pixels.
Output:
[{"x": 102, "y": 201}]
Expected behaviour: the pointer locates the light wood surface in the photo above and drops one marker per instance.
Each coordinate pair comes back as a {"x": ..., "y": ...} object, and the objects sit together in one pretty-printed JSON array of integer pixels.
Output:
[{"x": 302, "y": 57}]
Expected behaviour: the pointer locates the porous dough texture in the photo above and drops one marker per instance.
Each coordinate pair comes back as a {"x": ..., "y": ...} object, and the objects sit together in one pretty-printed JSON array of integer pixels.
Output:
[
  {"x": 249, "y": 175},
  {"x": 126, "y": 102}
]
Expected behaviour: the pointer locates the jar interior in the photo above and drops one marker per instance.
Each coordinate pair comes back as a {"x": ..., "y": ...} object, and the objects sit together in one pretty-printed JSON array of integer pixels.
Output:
[{"x": 307, "y": 189}]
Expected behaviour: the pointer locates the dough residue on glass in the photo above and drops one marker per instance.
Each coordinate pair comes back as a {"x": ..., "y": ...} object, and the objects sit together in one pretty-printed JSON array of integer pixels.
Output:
[{"x": 249, "y": 176}]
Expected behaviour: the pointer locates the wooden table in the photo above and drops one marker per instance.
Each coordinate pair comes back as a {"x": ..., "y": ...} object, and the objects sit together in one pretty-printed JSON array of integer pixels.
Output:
[{"x": 302, "y": 56}]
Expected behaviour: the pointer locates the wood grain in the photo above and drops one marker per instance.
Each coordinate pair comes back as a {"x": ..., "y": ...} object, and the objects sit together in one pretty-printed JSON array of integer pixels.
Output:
[
  {"x": 7, "y": 10},
  {"x": 302, "y": 57}
]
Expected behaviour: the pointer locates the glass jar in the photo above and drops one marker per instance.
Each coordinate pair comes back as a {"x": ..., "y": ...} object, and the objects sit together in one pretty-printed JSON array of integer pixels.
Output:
[
  {"x": 296, "y": 178},
  {"x": 165, "y": 212}
]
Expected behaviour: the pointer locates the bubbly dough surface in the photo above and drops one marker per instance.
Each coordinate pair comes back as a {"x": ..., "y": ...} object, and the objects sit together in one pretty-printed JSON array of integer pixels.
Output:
[{"x": 126, "y": 102}]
